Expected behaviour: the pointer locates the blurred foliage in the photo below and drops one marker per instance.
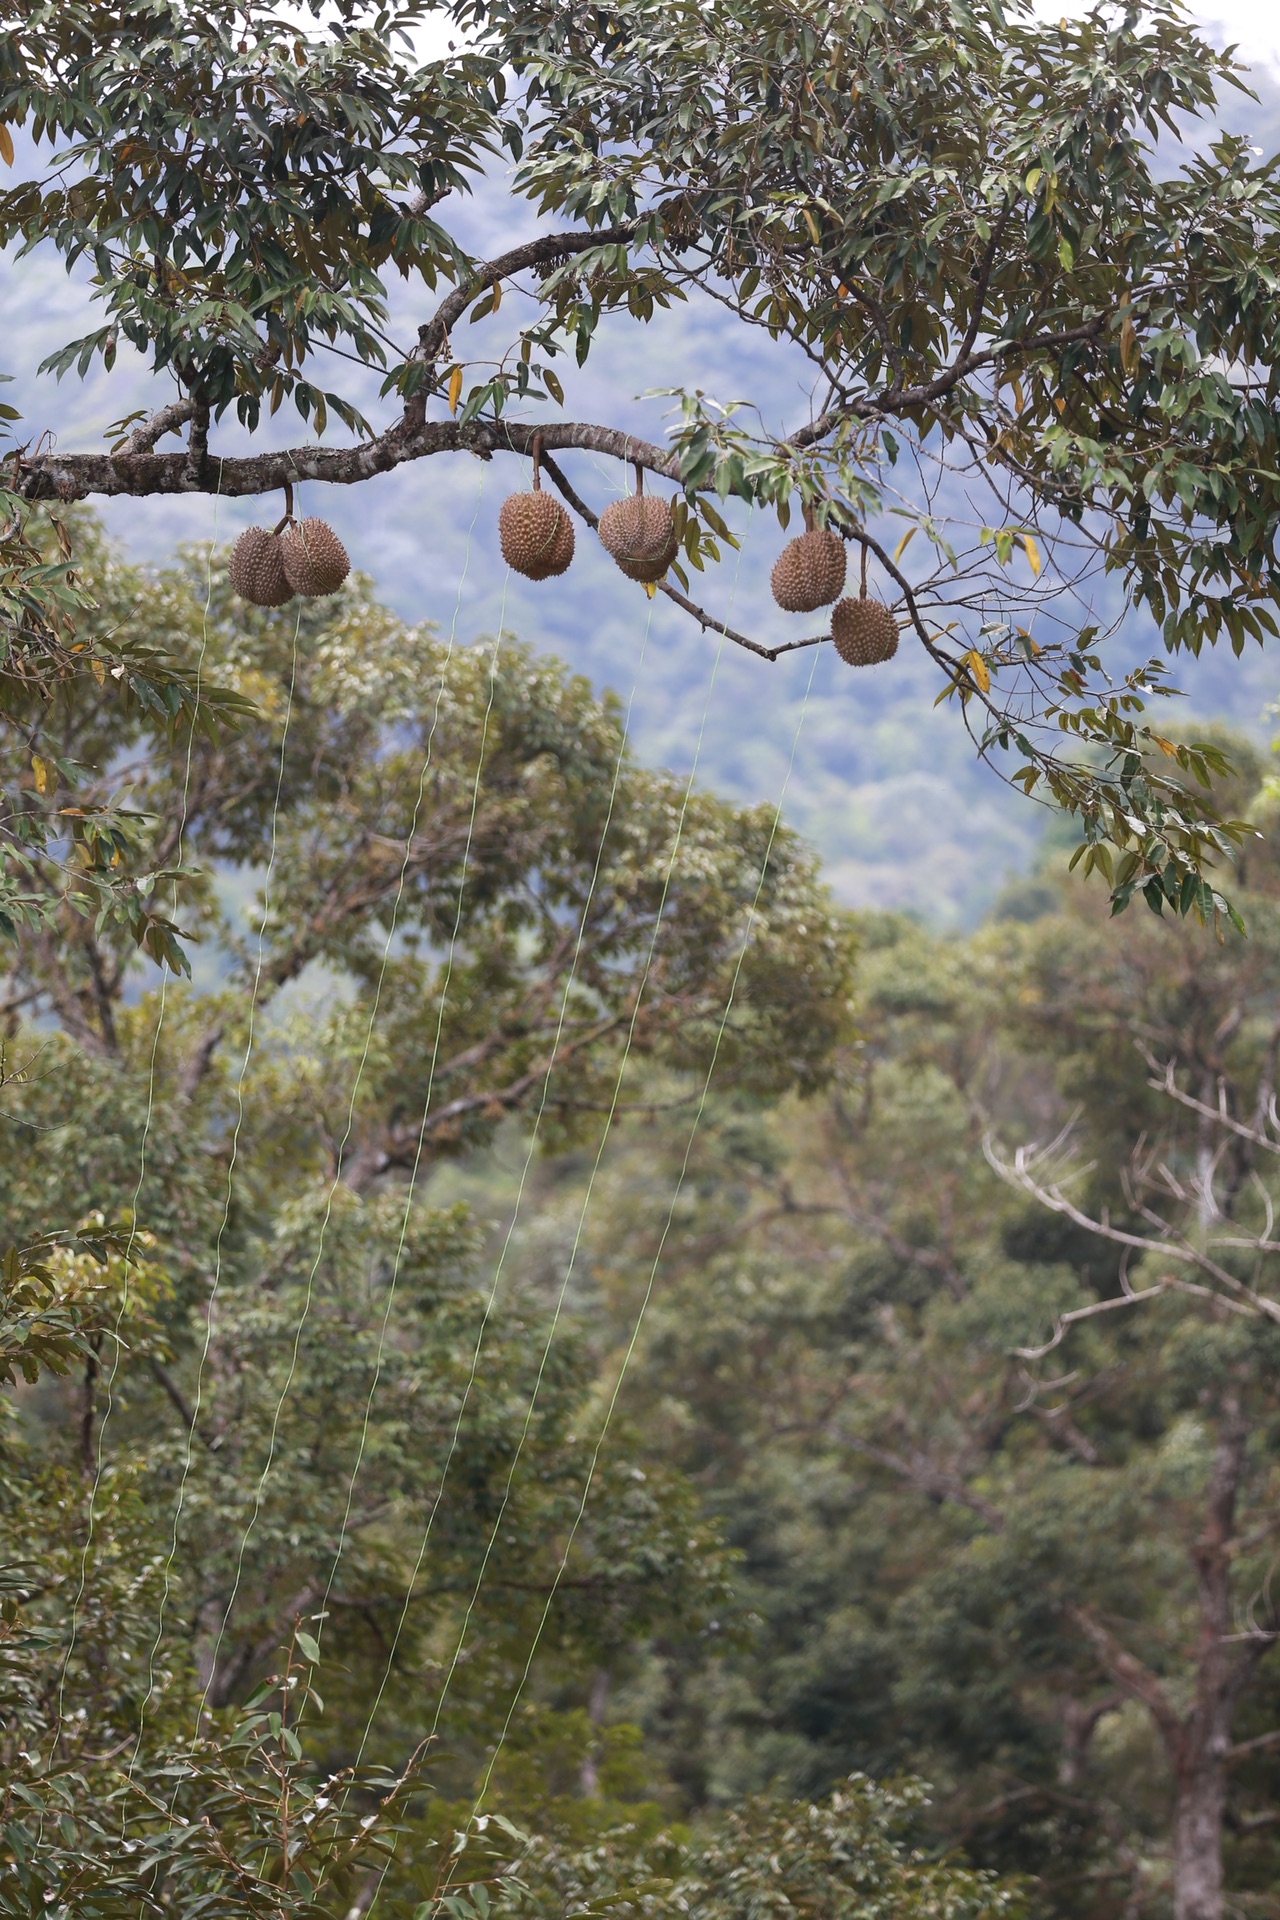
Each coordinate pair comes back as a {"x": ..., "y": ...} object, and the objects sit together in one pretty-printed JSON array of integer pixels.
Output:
[{"x": 939, "y": 1530}]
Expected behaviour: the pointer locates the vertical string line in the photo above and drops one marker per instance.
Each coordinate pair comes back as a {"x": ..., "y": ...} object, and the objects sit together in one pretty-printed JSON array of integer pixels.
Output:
[
  {"x": 233, "y": 1157},
  {"x": 491, "y": 1299},
  {"x": 368, "y": 1040},
  {"x": 564, "y": 1286},
  {"x": 260, "y": 1490},
  {"x": 146, "y": 1135},
  {"x": 629, "y": 1351}
]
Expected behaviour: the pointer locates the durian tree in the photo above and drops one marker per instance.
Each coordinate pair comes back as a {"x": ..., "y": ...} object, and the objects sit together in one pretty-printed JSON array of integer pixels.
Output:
[{"x": 1043, "y": 357}]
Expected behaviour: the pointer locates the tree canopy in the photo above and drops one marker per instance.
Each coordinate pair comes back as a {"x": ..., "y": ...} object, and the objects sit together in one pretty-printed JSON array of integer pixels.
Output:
[
  {"x": 995, "y": 1435},
  {"x": 1039, "y": 355}
]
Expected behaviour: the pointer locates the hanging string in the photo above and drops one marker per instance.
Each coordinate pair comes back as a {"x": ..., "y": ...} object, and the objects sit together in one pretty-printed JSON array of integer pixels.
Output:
[
  {"x": 116, "y": 1343},
  {"x": 368, "y": 1039},
  {"x": 531, "y": 1150},
  {"x": 605, "y": 1134},
  {"x": 260, "y": 1491},
  {"x": 215, "y": 1284},
  {"x": 629, "y": 1351}
]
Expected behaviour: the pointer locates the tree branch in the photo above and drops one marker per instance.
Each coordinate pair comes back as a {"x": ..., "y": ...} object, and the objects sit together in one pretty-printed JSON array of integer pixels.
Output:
[
  {"x": 1129, "y": 1673},
  {"x": 928, "y": 1478},
  {"x": 705, "y": 620}
]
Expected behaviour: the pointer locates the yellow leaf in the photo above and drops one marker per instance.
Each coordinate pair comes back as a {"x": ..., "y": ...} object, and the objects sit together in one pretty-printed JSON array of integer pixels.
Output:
[
  {"x": 6, "y": 145},
  {"x": 43, "y": 773},
  {"x": 455, "y": 389},
  {"x": 1032, "y": 553},
  {"x": 978, "y": 670},
  {"x": 98, "y": 670},
  {"x": 901, "y": 547},
  {"x": 497, "y": 296},
  {"x": 1018, "y": 393},
  {"x": 1130, "y": 357},
  {"x": 651, "y": 587},
  {"x": 1166, "y": 747}
]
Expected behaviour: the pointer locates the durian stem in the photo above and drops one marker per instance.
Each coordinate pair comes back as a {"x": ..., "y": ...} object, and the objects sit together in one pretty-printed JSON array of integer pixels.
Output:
[
  {"x": 288, "y": 508},
  {"x": 537, "y": 463},
  {"x": 639, "y": 479},
  {"x": 863, "y": 594},
  {"x": 808, "y": 517}
]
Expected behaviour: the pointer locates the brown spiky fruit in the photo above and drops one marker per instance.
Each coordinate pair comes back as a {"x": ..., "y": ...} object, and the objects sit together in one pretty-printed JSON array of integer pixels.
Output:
[
  {"x": 641, "y": 535},
  {"x": 536, "y": 534},
  {"x": 809, "y": 572},
  {"x": 864, "y": 632},
  {"x": 256, "y": 569},
  {"x": 315, "y": 560}
]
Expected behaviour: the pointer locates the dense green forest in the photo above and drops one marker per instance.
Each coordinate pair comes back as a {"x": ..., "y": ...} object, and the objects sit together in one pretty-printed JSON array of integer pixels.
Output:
[{"x": 576, "y": 1295}]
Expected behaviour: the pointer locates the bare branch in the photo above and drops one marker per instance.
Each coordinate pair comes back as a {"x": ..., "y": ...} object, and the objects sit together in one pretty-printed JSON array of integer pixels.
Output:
[
  {"x": 1163, "y": 1081},
  {"x": 1020, "y": 1173}
]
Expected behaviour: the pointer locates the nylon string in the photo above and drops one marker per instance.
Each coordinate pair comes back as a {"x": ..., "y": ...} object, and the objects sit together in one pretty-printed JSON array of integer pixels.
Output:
[
  {"x": 216, "y": 1282},
  {"x": 491, "y": 1299},
  {"x": 545, "y": 1357},
  {"x": 142, "y": 1156},
  {"x": 644, "y": 1304},
  {"x": 260, "y": 1490}
]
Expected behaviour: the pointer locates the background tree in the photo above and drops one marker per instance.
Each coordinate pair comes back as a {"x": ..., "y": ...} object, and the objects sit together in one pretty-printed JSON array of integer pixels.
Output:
[
  {"x": 1029, "y": 341},
  {"x": 1004, "y": 1484}
]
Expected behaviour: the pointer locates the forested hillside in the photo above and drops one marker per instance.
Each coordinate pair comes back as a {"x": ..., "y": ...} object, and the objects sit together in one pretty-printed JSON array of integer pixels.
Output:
[{"x": 721, "y": 1409}]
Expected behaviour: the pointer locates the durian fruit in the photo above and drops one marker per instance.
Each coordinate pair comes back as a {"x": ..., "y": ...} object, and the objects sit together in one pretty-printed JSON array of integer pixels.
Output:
[
  {"x": 535, "y": 532},
  {"x": 640, "y": 533},
  {"x": 809, "y": 572},
  {"x": 256, "y": 568},
  {"x": 315, "y": 560},
  {"x": 864, "y": 631}
]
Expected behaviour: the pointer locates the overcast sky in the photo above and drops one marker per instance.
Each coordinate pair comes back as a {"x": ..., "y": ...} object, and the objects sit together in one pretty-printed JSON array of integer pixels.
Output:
[{"x": 1252, "y": 25}]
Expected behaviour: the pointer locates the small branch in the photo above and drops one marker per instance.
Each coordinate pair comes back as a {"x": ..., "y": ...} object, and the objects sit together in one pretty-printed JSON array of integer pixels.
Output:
[
  {"x": 161, "y": 1374},
  {"x": 168, "y": 420},
  {"x": 547, "y": 251},
  {"x": 198, "y": 1063},
  {"x": 704, "y": 619},
  {"x": 88, "y": 1402},
  {"x": 1164, "y": 1082},
  {"x": 1129, "y": 1673},
  {"x": 198, "y": 442}
]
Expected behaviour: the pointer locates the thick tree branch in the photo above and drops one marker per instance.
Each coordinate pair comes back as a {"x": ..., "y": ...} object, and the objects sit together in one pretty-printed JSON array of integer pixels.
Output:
[
  {"x": 163, "y": 1378},
  {"x": 548, "y": 250}
]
